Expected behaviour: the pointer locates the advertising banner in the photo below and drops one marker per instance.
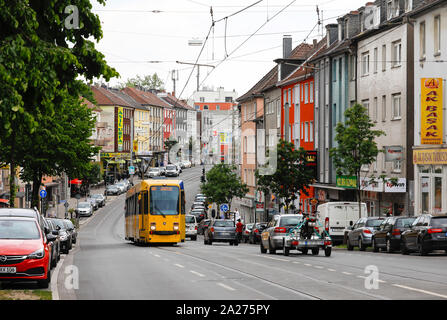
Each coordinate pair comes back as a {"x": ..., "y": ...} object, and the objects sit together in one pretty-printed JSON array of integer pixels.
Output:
[
  {"x": 431, "y": 111},
  {"x": 348, "y": 182},
  {"x": 120, "y": 131}
]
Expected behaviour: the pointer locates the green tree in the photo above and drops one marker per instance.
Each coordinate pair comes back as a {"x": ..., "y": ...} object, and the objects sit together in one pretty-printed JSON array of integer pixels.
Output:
[
  {"x": 292, "y": 175},
  {"x": 149, "y": 82},
  {"x": 356, "y": 146},
  {"x": 223, "y": 184},
  {"x": 42, "y": 61}
]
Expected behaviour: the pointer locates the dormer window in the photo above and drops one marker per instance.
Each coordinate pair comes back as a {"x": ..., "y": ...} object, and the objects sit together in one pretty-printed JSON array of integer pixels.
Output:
[
  {"x": 392, "y": 9},
  {"x": 408, "y": 5},
  {"x": 346, "y": 36}
]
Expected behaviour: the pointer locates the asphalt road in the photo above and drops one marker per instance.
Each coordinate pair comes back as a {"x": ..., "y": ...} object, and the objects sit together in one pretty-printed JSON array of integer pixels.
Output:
[{"x": 108, "y": 267}]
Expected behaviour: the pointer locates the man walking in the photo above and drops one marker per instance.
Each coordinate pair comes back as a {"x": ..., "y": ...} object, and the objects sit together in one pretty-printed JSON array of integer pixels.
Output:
[{"x": 239, "y": 228}]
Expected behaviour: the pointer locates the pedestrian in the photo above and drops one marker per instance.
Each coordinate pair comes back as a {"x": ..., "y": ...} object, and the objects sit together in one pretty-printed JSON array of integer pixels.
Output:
[
  {"x": 237, "y": 214},
  {"x": 239, "y": 227}
]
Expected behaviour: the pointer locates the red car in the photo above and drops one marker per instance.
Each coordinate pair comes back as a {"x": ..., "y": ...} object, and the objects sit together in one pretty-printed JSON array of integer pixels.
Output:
[{"x": 24, "y": 251}]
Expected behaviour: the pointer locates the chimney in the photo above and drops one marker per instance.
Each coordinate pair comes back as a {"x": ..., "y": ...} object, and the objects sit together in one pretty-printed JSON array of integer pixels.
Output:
[
  {"x": 286, "y": 46},
  {"x": 315, "y": 42}
]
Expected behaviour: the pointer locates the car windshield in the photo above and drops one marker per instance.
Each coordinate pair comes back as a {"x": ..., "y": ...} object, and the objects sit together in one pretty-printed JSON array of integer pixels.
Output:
[
  {"x": 439, "y": 222},
  {"x": 154, "y": 170},
  {"x": 373, "y": 223},
  {"x": 19, "y": 229},
  {"x": 400, "y": 223},
  {"x": 290, "y": 221},
  {"x": 249, "y": 226},
  {"x": 69, "y": 224},
  {"x": 97, "y": 196},
  {"x": 190, "y": 219},
  {"x": 171, "y": 167},
  {"x": 164, "y": 200},
  {"x": 223, "y": 223},
  {"x": 84, "y": 205}
]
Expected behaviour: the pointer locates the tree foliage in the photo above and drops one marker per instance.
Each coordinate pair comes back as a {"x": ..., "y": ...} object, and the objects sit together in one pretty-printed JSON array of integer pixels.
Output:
[
  {"x": 292, "y": 175},
  {"x": 148, "y": 82},
  {"x": 223, "y": 184},
  {"x": 41, "y": 66},
  {"x": 356, "y": 146}
]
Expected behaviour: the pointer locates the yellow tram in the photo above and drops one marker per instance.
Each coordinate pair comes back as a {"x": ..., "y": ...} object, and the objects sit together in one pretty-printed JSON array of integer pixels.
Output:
[{"x": 155, "y": 212}]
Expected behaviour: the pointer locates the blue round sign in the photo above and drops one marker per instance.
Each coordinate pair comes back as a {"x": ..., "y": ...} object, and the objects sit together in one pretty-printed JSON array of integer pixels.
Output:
[
  {"x": 224, "y": 207},
  {"x": 43, "y": 193}
]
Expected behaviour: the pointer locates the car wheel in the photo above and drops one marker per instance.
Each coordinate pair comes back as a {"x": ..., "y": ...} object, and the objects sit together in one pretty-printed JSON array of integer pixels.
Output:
[
  {"x": 404, "y": 248},
  {"x": 271, "y": 249},
  {"x": 361, "y": 245},
  {"x": 236, "y": 243},
  {"x": 304, "y": 251},
  {"x": 375, "y": 247},
  {"x": 263, "y": 250},
  {"x": 45, "y": 283},
  {"x": 327, "y": 251},
  {"x": 389, "y": 248},
  {"x": 194, "y": 238},
  {"x": 286, "y": 250},
  {"x": 315, "y": 251},
  {"x": 349, "y": 245},
  {"x": 421, "y": 249}
]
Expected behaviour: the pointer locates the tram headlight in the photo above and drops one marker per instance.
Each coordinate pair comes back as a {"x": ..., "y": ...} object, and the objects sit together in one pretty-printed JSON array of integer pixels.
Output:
[
  {"x": 153, "y": 227},
  {"x": 176, "y": 227}
]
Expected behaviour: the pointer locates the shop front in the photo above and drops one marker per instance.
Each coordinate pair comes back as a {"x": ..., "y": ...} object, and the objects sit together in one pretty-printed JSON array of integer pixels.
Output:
[{"x": 430, "y": 165}]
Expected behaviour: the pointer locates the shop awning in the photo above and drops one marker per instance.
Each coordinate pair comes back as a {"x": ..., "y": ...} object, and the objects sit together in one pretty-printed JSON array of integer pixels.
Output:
[
  {"x": 116, "y": 162},
  {"x": 4, "y": 201}
]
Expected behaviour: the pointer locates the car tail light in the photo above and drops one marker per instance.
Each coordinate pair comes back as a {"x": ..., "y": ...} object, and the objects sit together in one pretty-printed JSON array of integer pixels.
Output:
[
  {"x": 256, "y": 231},
  {"x": 212, "y": 229},
  {"x": 280, "y": 230},
  {"x": 196, "y": 227},
  {"x": 432, "y": 230},
  {"x": 295, "y": 243},
  {"x": 247, "y": 232},
  {"x": 327, "y": 243},
  {"x": 396, "y": 232},
  {"x": 326, "y": 224},
  {"x": 367, "y": 231}
]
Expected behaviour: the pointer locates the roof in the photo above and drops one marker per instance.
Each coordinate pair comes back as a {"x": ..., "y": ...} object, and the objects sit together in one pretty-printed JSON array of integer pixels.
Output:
[
  {"x": 131, "y": 101},
  {"x": 106, "y": 97},
  {"x": 90, "y": 105},
  {"x": 145, "y": 97},
  {"x": 174, "y": 101}
]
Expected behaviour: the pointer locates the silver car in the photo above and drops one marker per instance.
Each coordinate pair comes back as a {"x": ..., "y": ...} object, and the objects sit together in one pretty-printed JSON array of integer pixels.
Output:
[
  {"x": 191, "y": 227},
  {"x": 84, "y": 209},
  {"x": 154, "y": 172},
  {"x": 172, "y": 170},
  {"x": 360, "y": 234},
  {"x": 272, "y": 236}
]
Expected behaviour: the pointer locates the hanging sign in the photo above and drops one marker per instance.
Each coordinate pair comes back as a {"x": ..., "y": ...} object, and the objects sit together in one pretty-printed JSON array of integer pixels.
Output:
[{"x": 431, "y": 111}]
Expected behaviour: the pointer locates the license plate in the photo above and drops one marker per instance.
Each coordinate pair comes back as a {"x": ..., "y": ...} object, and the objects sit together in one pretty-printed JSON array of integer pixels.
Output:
[
  {"x": 8, "y": 270},
  {"x": 225, "y": 233}
]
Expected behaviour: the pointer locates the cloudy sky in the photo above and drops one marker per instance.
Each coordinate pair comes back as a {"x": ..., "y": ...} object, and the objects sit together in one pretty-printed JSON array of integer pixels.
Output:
[{"x": 242, "y": 47}]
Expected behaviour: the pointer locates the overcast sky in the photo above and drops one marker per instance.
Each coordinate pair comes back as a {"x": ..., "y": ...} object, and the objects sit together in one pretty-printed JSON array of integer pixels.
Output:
[{"x": 139, "y": 31}]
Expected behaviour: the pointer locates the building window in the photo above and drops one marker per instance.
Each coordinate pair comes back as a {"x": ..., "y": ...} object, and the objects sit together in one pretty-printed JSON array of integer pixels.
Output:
[
  {"x": 202, "y": 99},
  {"x": 408, "y": 5},
  {"x": 306, "y": 132},
  {"x": 396, "y": 106},
  {"x": 384, "y": 57},
  {"x": 437, "y": 35},
  {"x": 397, "y": 53},
  {"x": 228, "y": 99},
  {"x": 365, "y": 104},
  {"x": 383, "y": 108},
  {"x": 376, "y": 58},
  {"x": 311, "y": 131},
  {"x": 375, "y": 111},
  {"x": 365, "y": 63},
  {"x": 306, "y": 93},
  {"x": 297, "y": 94},
  {"x": 311, "y": 92},
  {"x": 278, "y": 114},
  {"x": 422, "y": 40},
  {"x": 397, "y": 166},
  {"x": 217, "y": 107},
  {"x": 334, "y": 70}
]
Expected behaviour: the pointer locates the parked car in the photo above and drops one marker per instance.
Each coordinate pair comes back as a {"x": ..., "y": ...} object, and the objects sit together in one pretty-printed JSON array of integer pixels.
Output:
[
  {"x": 172, "y": 170},
  {"x": 246, "y": 231},
  {"x": 426, "y": 234},
  {"x": 21, "y": 212},
  {"x": 196, "y": 204},
  {"x": 255, "y": 232},
  {"x": 112, "y": 190},
  {"x": 388, "y": 237},
  {"x": 179, "y": 167},
  {"x": 154, "y": 172},
  {"x": 162, "y": 171},
  {"x": 65, "y": 236},
  {"x": 273, "y": 235},
  {"x": 121, "y": 186},
  {"x": 84, "y": 209},
  {"x": 54, "y": 242},
  {"x": 221, "y": 231},
  {"x": 26, "y": 254},
  {"x": 360, "y": 234},
  {"x": 100, "y": 198},
  {"x": 200, "y": 214},
  {"x": 191, "y": 226},
  {"x": 71, "y": 229},
  {"x": 187, "y": 164},
  {"x": 94, "y": 203},
  {"x": 203, "y": 225}
]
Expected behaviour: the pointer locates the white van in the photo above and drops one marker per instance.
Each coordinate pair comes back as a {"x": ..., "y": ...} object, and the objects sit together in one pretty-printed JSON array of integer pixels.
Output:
[{"x": 340, "y": 215}]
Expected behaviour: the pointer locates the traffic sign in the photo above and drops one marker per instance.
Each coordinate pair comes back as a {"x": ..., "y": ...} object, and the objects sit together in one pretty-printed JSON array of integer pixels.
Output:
[
  {"x": 224, "y": 207},
  {"x": 131, "y": 170},
  {"x": 43, "y": 193}
]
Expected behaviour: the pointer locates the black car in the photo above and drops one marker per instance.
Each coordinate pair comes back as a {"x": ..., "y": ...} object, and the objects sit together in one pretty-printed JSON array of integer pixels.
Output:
[
  {"x": 255, "y": 233},
  {"x": 388, "y": 237},
  {"x": 101, "y": 199},
  {"x": 54, "y": 242},
  {"x": 71, "y": 229},
  {"x": 199, "y": 213},
  {"x": 427, "y": 233},
  {"x": 221, "y": 231},
  {"x": 65, "y": 236}
]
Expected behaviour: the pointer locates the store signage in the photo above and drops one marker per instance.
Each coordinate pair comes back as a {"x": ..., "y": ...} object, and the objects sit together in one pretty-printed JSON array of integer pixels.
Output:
[
  {"x": 120, "y": 128},
  {"x": 393, "y": 153},
  {"x": 368, "y": 184},
  {"x": 428, "y": 156},
  {"x": 400, "y": 186},
  {"x": 431, "y": 111},
  {"x": 312, "y": 160},
  {"x": 348, "y": 182}
]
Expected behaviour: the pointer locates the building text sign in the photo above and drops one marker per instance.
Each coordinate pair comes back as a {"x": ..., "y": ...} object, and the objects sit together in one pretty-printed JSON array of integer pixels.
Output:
[
  {"x": 120, "y": 127},
  {"x": 428, "y": 156},
  {"x": 348, "y": 182},
  {"x": 431, "y": 111}
]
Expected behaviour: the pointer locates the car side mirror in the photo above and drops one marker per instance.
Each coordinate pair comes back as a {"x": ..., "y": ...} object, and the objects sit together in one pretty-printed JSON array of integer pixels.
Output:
[
  {"x": 51, "y": 237},
  {"x": 351, "y": 223},
  {"x": 58, "y": 228},
  {"x": 55, "y": 232},
  {"x": 46, "y": 230}
]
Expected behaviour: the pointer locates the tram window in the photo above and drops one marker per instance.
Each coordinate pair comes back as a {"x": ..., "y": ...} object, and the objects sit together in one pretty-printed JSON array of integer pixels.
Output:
[{"x": 146, "y": 202}]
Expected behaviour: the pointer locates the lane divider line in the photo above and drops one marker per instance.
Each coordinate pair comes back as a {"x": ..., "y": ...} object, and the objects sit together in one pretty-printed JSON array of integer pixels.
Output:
[
  {"x": 421, "y": 291},
  {"x": 225, "y": 286},
  {"x": 197, "y": 273}
]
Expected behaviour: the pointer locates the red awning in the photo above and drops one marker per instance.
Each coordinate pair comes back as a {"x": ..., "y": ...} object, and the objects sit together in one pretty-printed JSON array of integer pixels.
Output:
[
  {"x": 4, "y": 201},
  {"x": 76, "y": 181}
]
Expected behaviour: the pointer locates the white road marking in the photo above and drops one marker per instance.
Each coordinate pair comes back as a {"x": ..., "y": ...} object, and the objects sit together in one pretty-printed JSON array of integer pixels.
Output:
[
  {"x": 156, "y": 255},
  {"x": 54, "y": 289},
  {"x": 179, "y": 265},
  {"x": 421, "y": 291},
  {"x": 197, "y": 273},
  {"x": 296, "y": 262},
  {"x": 319, "y": 267},
  {"x": 378, "y": 280},
  {"x": 331, "y": 270},
  {"x": 277, "y": 259},
  {"x": 308, "y": 265},
  {"x": 347, "y": 273},
  {"x": 225, "y": 286}
]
